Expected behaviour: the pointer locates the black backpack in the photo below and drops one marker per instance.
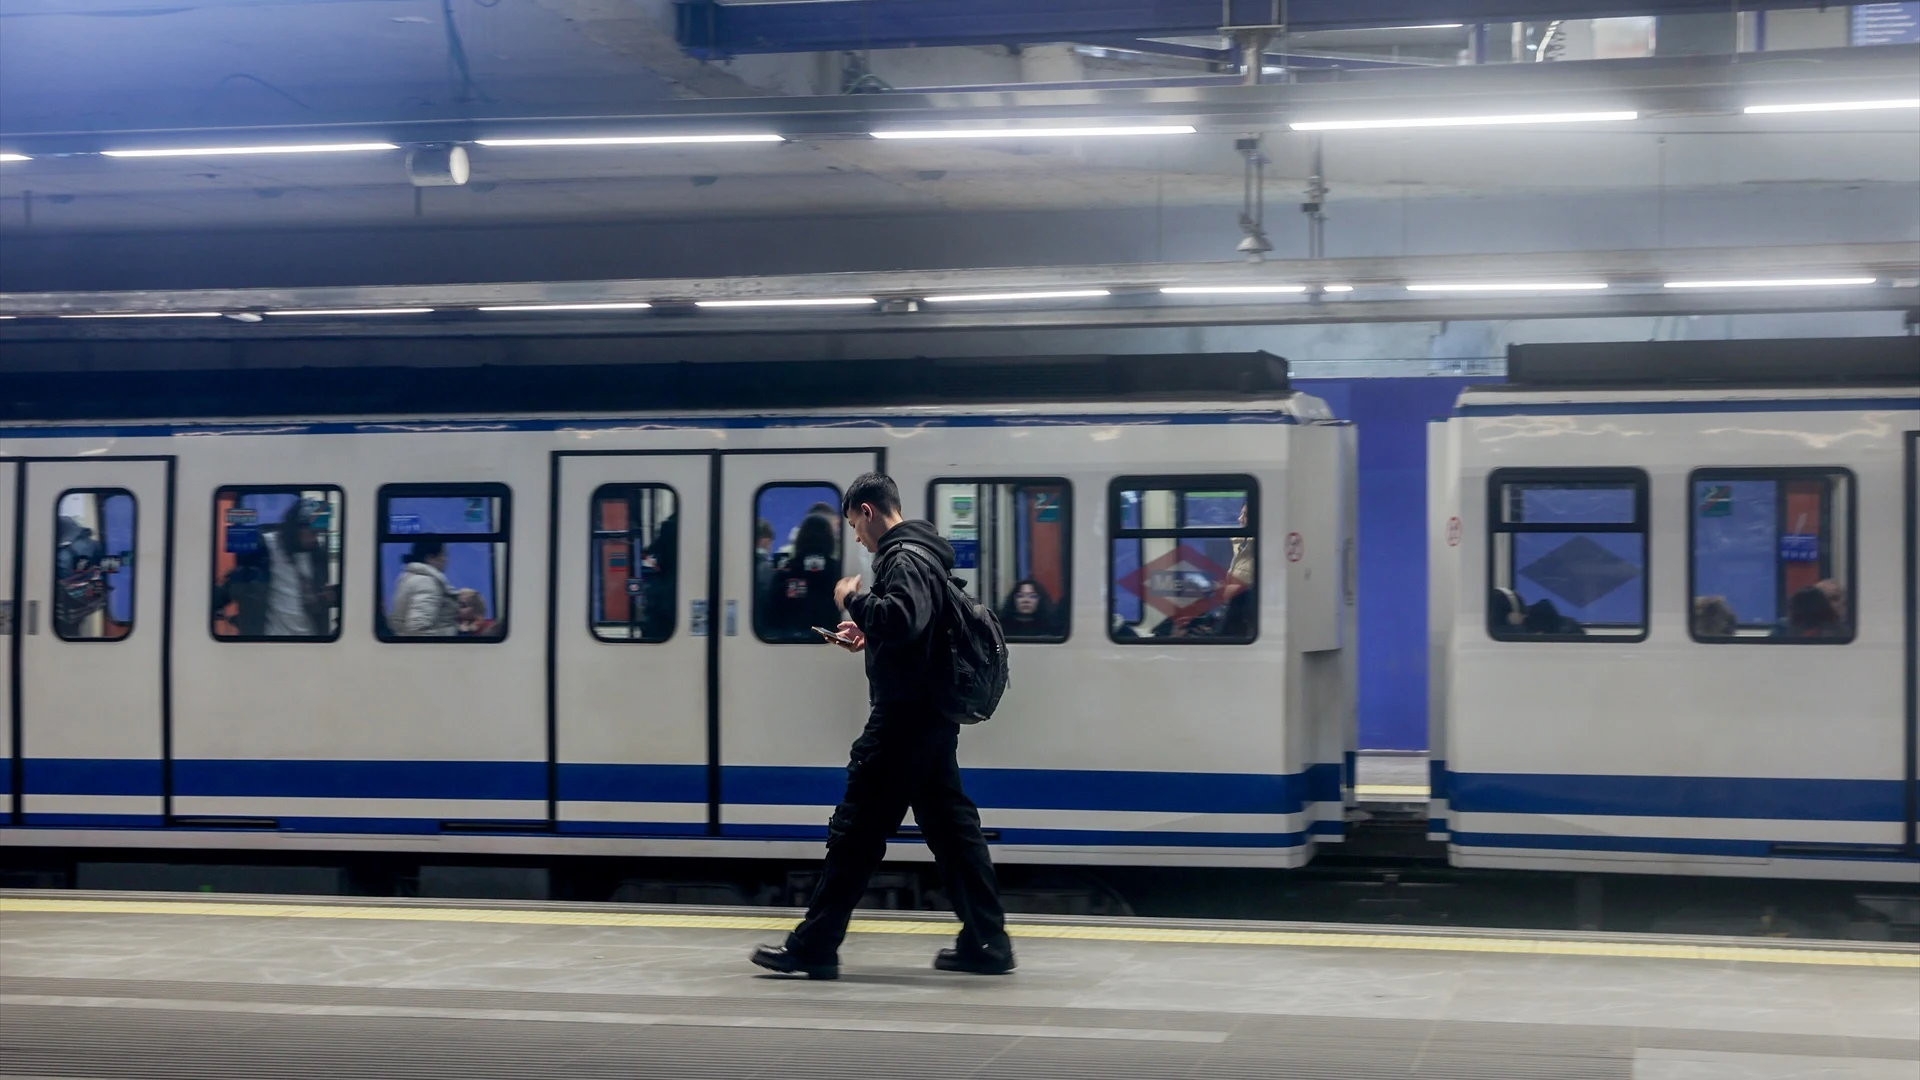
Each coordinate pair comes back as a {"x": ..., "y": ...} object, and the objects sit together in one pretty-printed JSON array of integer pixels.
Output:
[{"x": 978, "y": 649}]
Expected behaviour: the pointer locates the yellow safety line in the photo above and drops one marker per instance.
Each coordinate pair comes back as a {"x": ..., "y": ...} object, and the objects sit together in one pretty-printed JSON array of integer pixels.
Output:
[
  {"x": 1410, "y": 791},
  {"x": 1054, "y": 932}
]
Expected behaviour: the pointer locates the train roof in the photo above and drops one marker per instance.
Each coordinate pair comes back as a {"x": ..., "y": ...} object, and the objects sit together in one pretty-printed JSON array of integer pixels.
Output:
[
  {"x": 608, "y": 389},
  {"x": 1782, "y": 363}
]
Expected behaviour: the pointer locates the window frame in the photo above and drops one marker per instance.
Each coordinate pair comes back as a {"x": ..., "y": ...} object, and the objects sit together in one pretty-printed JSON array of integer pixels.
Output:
[
  {"x": 502, "y": 535},
  {"x": 840, "y": 539},
  {"x": 1641, "y": 525},
  {"x": 133, "y": 597},
  {"x": 1181, "y": 483},
  {"x": 1780, "y": 473},
  {"x": 213, "y": 560},
  {"x": 1066, "y": 569},
  {"x": 595, "y": 534}
]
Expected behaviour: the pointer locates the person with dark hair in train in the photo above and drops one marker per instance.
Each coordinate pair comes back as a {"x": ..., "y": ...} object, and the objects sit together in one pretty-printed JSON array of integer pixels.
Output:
[
  {"x": 800, "y": 595},
  {"x": 1810, "y": 614},
  {"x": 1030, "y": 613},
  {"x": 906, "y": 756},
  {"x": 423, "y": 603}
]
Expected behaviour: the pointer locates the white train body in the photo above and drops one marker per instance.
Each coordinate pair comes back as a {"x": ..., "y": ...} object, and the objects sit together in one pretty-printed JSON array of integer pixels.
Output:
[
  {"x": 1637, "y": 734},
  {"x": 548, "y": 739}
]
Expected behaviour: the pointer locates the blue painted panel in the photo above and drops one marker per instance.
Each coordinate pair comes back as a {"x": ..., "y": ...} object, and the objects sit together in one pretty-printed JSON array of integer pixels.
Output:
[
  {"x": 91, "y": 776},
  {"x": 362, "y": 779},
  {"x": 1678, "y": 796},
  {"x": 1392, "y": 416}
]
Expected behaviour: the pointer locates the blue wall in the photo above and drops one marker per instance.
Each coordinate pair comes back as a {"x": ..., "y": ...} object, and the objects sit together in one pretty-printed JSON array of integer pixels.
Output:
[{"x": 1392, "y": 415}]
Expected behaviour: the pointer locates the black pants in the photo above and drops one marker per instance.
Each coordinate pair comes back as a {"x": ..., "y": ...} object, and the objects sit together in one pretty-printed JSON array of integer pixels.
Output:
[{"x": 905, "y": 758}]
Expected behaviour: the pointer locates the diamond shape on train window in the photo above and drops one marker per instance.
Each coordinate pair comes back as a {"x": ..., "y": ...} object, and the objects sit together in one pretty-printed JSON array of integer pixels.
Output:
[{"x": 1580, "y": 571}]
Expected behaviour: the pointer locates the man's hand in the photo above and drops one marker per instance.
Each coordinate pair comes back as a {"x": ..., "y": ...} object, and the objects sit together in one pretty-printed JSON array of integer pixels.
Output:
[
  {"x": 846, "y": 587},
  {"x": 857, "y": 639}
]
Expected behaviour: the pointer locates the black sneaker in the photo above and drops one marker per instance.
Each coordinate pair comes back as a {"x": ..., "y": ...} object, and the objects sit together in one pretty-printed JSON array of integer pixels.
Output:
[
  {"x": 987, "y": 961},
  {"x": 777, "y": 958}
]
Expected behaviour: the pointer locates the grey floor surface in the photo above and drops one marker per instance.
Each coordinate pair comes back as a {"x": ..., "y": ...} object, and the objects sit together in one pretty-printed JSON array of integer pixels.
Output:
[{"x": 87, "y": 995}]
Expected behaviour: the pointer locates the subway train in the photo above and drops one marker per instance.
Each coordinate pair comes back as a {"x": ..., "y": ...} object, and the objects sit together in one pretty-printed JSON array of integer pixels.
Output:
[{"x": 1669, "y": 623}]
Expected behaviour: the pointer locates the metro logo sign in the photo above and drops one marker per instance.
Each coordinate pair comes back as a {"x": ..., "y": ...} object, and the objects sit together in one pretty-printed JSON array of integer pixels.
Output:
[{"x": 1183, "y": 583}]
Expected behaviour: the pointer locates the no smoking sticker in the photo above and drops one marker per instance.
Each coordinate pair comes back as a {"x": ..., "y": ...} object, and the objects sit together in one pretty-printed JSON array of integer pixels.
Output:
[
  {"x": 1296, "y": 547},
  {"x": 1453, "y": 532}
]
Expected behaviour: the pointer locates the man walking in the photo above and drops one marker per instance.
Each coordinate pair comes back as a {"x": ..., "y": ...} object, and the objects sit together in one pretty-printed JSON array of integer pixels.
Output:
[{"x": 906, "y": 755}]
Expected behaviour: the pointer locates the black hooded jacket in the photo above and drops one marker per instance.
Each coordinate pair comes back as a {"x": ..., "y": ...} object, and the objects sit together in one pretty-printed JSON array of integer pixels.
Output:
[{"x": 906, "y": 642}]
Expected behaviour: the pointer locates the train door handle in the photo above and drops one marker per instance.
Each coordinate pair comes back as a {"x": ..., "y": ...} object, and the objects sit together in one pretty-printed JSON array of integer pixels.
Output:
[{"x": 33, "y": 616}]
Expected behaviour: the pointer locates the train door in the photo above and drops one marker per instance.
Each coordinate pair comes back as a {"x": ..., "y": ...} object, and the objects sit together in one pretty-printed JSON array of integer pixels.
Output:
[
  {"x": 629, "y": 642},
  {"x": 92, "y": 559},
  {"x": 1913, "y": 643},
  {"x": 9, "y": 623},
  {"x": 789, "y": 704}
]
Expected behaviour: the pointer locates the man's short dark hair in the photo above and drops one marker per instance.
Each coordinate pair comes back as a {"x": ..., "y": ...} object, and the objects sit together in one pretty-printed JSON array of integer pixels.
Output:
[{"x": 876, "y": 488}]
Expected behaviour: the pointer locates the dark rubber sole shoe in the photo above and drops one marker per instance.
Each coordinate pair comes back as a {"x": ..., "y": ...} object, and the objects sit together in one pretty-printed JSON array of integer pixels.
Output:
[
  {"x": 980, "y": 963},
  {"x": 778, "y": 959}
]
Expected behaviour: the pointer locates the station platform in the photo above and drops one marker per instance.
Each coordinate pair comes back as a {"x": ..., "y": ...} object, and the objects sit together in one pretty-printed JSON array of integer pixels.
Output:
[{"x": 120, "y": 985}]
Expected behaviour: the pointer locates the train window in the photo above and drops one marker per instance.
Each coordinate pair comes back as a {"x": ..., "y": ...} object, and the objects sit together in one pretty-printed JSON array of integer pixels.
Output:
[
  {"x": 276, "y": 563},
  {"x": 1011, "y": 540},
  {"x": 443, "y": 562},
  {"x": 1183, "y": 566},
  {"x": 1772, "y": 556},
  {"x": 93, "y": 564},
  {"x": 636, "y": 544},
  {"x": 1567, "y": 555},
  {"x": 796, "y": 561}
]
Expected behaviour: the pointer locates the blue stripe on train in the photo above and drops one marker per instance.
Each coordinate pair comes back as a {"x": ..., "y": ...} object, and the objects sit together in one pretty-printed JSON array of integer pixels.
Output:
[
  {"x": 1616, "y": 408},
  {"x": 1061, "y": 789},
  {"x": 1762, "y": 849},
  {"x": 91, "y": 776},
  {"x": 701, "y": 423},
  {"x": 1676, "y": 796}
]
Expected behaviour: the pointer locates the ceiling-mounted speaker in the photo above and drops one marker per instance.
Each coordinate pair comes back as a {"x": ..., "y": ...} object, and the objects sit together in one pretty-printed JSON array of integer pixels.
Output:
[{"x": 437, "y": 165}]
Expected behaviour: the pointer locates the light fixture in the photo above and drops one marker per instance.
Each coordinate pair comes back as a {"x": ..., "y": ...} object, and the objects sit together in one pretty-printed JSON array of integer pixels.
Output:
[
  {"x": 1061, "y": 294},
  {"x": 1421, "y": 26},
  {"x": 1836, "y": 106},
  {"x": 637, "y": 305},
  {"x": 14, "y": 157},
  {"x": 355, "y": 311},
  {"x": 825, "y": 301},
  {"x": 1336, "y": 288},
  {"x": 1035, "y": 132},
  {"x": 1515, "y": 286},
  {"x": 223, "y": 151},
  {"x": 1230, "y": 290},
  {"x": 149, "y": 315},
  {"x": 1775, "y": 283},
  {"x": 638, "y": 140},
  {"x": 1462, "y": 121}
]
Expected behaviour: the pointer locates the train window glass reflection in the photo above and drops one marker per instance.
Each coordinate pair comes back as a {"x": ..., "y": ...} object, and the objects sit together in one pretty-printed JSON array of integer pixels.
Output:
[
  {"x": 1011, "y": 540},
  {"x": 1567, "y": 555},
  {"x": 1183, "y": 567},
  {"x": 276, "y": 563},
  {"x": 796, "y": 561},
  {"x": 1772, "y": 556},
  {"x": 93, "y": 564},
  {"x": 443, "y": 562},
  {"x": 636, "y": 546}
]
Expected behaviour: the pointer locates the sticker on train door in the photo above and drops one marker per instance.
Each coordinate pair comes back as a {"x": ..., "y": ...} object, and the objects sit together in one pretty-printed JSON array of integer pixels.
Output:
[{"x": 1716, "y": 500}]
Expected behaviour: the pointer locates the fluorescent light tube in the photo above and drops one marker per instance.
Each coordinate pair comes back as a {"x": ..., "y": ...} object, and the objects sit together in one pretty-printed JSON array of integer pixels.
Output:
[
  {"x": 1462, "y": 121},
  {"x": 636, "y": 140},
  {"x": 1336, "y": 288},
  {"x": 1034, "y": 132},
  {"x": 14, "y": 157},
  {"x": 149, "y": 315},
  {"x": 1765, "y": 283},
  {"x": 1836, "y": 106},
  {"x": 831, "y": 301},
  {"x": 637, "y": 305},
  {"x": 1063, "y": 294},
  {"x": 1230, "y": 290},
  {"x": 1537, "y": 286},
  {"x": 222, "y": 151},
  {"x": 355, "y": 311}
]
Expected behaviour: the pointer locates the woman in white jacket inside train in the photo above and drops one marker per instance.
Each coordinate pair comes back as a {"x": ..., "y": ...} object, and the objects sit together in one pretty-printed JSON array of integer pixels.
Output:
[{"x": 423, "y": 603}]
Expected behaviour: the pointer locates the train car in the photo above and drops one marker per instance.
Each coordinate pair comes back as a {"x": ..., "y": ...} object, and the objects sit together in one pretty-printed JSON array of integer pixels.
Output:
[
  {"x": 1673, "y": 616},
  {"x": 562, "y": 632}
]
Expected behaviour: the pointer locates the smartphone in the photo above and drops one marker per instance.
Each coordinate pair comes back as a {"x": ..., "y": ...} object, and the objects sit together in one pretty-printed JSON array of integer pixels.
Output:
[{"x": 832, "y": 635}]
